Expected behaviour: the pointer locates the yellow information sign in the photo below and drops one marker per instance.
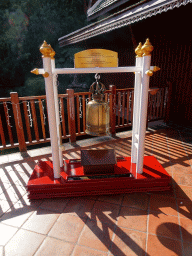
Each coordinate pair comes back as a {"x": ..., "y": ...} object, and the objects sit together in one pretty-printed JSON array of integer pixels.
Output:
[{"x": 92, "y": 58}]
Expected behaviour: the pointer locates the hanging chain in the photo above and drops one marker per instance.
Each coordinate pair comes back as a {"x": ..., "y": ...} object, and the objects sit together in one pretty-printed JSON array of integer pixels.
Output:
[
  {"x": 7, "y": 115},
  {"x": 130, "y": 99},
  {"x": 56, "y": 80},
  {"x": 29, "y": 114},
  {"x": 80, "y": 107},
  {"x": 56, "y": 83},
  {"x": 87, "y": 101},
  {"x": 60, "y": 111},
  {"x": 44, "y": 117},
  {"x": 120, "y": 101}
]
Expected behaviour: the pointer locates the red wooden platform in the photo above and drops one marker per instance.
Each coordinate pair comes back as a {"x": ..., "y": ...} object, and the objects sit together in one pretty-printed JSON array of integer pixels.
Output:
[{"x": 73, "y": 182}]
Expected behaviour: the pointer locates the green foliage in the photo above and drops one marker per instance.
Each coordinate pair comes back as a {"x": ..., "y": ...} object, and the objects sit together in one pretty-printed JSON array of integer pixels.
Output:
[
  {"x": 25, "y": 24},
  {"x": 33, "y": 86}
]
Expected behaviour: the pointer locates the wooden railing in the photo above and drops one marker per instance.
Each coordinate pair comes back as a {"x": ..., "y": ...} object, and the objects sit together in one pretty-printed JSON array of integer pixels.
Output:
[{"x": 24, "y": 120}]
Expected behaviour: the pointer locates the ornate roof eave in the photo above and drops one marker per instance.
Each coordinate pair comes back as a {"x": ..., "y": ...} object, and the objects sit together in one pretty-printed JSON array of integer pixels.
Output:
[
  {"x": 103, "y": 6},
  {"x": 121, "y": 19}
]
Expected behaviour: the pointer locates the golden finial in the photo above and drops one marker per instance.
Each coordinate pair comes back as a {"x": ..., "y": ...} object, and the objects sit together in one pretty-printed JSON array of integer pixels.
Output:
[
  {"x": 139, "y": 51},
  {"x": 46, "y": 74},
  {"x": 52, "y": 54},
  {"x": 35, "y": 71},
  {"x": 149, "y": 72},
  {"x": 147, "y": 48},
  {"x": 46, "y": 49},
  {"x": 156, "y": 69}
]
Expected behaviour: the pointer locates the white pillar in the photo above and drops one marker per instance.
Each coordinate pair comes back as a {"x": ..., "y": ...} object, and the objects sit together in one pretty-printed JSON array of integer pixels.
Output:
[
  {"x": 55, "y": 89},
  {"x": 46, "y": 50},
  {"x": 147, "y": 48},
  {"x": 136, "y": 108}
]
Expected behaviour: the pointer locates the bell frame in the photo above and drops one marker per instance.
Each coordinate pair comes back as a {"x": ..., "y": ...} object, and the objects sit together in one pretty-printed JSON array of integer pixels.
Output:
[{"x": 143, "y": 174}]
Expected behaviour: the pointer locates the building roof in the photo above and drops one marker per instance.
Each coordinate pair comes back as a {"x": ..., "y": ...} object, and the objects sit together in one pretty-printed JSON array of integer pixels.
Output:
[
  {"x": 103, "y": 6},
  {"x": 120, "y": 19}
]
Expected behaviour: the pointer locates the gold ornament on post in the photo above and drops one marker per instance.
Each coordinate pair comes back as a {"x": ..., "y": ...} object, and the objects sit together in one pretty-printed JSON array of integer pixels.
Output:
[
  {"x": 52, "y": 54},
  {"x": 97, "y": 112},
  {"x": 147, "y": 48},
  {"x": 35, "y": 71},
  {"x": 150, "y": 72},
  {"x": 139, "y": 50},
  {"x": 46, "y": 74},
  {"x": 46, "y": 49}
]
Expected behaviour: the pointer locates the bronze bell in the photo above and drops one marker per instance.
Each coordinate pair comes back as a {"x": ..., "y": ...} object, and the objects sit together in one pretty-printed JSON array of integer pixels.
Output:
[{"x": 97, "y": 111}]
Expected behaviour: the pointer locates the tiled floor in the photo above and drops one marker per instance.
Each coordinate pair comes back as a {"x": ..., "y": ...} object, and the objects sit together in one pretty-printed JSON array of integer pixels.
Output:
[{"x": 123, "y": 225}]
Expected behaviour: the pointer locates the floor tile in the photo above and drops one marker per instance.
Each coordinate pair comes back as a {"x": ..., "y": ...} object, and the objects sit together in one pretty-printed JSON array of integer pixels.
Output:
[
  {"x": 136, "y": 200},
  {"x": 54, "y": 247},
  {"x": 14, "y": 157},
  {"x": 6, "y": 179},
  {"x": 182, "y": 179},
  {"x": 186, "y": 229},
  {"x": 169, "y": 193},
  {"x": 133, "y": 218},
  {"x": 67, "y": 228},
  {"x": 46, "y": 150},
  {"x": 34, "y": 152},
  {"x": 184, "y": 192},
  {"x": 128, "y": 242},
  {"x": 4, "y": 159},
  {"x": 85, "y": 251},
  {"x": 28, "y": 166},
  {"x": 17, "y": 216},
  {"x": 163, "y": 204},
  {"x": 5, "y": 206},
  {"x": 6, "y": 233},
  {"x": 13, "y": 176},
  {"x": 41, "y": 221},
  {"x": 105, "y": 212},
  {"x": 24, "y": 243},
  {"x": 113, "y": 199},
  {"x": 25, "y": 201},
  {"x": 161, "y": 224},
  {"x": 187, "y": 249},
  {"x": 4, "y": 186},
  {"x": 54, "y": 204},
  {"x": 181, "y": 166},
  {"x": 169, "y": 170},
  {"x": 159, "y": 246},
  {"x": 80, "y": 207},
  {"x": 185, "y": 208},
  {"x": 13, "y": 193},
  {"x": 97, "y": 235}
]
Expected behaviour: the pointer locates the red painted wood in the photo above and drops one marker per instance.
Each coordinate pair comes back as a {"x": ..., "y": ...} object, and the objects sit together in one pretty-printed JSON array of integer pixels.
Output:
[
  {"x": 42, "y": 184},
  {"x": 71, "y": 115}
]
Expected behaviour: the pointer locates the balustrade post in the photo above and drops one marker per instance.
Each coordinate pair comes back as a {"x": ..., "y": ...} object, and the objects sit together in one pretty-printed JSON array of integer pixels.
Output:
[
  {"x": 71, "y": 115},
  {"x": 18, "y": 121},
  {"x": 112, "y": 105}
]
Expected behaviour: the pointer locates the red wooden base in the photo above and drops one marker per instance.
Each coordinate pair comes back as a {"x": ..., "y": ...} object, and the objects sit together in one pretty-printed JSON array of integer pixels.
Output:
[{"x": 73, "y": 182}]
